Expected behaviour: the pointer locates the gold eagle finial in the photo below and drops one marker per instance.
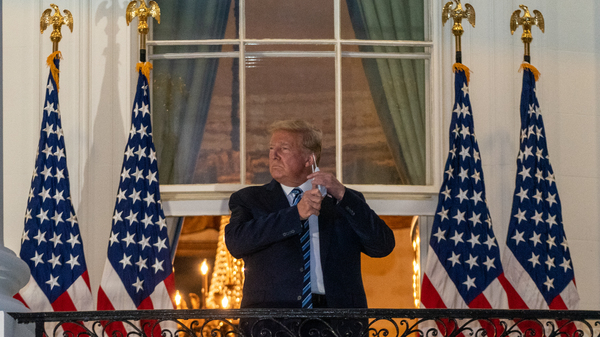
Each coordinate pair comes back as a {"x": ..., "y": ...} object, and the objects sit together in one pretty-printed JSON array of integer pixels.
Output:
[
  {"x": 458, "y": 14},
  {"x": 526, "y": 21},
  {"x": 142, "y": 12},
  {"x": 56, "y": 20}
]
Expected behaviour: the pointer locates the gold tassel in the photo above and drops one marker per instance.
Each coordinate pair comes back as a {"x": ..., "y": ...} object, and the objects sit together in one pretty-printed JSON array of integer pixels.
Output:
[
  {"x": 53, "y": 69},
  {"x": 459, "y": 66},
  {"x": 145, "y": 67},
  {"x": 536, "y": 73}
]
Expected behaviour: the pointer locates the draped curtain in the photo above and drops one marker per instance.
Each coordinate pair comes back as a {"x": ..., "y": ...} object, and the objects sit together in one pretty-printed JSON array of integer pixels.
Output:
[
  {"x": 397, "y": 85},
  {"x": 182, "y": 89}
]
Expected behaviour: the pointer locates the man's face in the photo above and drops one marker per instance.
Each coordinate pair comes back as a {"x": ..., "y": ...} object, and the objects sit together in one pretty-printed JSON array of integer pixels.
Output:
[{"x": 289, "y": 161}]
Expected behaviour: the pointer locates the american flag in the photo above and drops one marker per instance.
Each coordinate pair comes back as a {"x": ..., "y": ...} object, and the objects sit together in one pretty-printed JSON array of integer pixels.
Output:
[
  {"x": 463, "y": 262},
  {"x": 51, "y": 243},
  {"x": 538, "y": 261},
  {"x": 138, "y": 273}
]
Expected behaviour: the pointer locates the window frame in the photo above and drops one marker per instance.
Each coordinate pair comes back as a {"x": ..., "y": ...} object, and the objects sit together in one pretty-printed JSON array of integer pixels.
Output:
[{"x": 212, "y": 199}]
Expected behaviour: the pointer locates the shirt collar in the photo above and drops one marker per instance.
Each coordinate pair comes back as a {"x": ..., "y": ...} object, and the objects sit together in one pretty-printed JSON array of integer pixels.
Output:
[{"x": 304, "y": 187}]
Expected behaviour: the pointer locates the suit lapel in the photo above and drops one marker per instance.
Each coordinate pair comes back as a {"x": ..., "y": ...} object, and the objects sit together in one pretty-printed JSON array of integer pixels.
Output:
[{"x": 275, "y": 197}]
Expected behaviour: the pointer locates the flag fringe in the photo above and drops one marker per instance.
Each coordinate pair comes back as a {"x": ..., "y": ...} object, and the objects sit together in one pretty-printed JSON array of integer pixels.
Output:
[
  {"x": 145, "y": 67},
  {"x": 53, "y": 69},
  {"x": 459, "y": 66},
  {"x": 536, "y": 73}
]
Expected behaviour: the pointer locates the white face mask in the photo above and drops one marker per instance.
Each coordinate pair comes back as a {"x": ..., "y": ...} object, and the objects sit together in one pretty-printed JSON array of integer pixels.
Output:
[{"x": 315, "y": 168}]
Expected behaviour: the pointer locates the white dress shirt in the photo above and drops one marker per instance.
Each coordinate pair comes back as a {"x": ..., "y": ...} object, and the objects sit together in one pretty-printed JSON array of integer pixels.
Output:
[{"x": 316, "y": 272}]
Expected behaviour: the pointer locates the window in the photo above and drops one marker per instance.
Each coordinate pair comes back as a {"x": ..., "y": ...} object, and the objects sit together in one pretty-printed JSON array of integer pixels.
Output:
[{"x": 360, "y": 70}]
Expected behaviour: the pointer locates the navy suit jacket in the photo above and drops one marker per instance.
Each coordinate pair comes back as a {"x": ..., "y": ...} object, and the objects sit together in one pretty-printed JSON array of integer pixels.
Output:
[{"x": 264, "y": 231}]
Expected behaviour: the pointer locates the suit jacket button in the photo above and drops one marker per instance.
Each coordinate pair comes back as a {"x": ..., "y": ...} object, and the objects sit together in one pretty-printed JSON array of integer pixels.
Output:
[
  {"x": 301, "y": 269},
  {"x": 300, "y": 298}
]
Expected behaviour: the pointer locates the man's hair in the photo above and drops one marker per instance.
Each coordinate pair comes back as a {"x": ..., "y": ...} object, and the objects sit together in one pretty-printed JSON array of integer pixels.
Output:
[{"x": 311, "y": 136}]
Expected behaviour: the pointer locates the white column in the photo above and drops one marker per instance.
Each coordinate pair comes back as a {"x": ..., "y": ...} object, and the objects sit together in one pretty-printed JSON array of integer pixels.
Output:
[{"x": 14, "y": 274}]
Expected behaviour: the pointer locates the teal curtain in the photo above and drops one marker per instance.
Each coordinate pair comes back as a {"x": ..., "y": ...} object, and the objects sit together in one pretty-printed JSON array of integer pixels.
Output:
[
  {"x": 397, "y": 85},
  {"x": 182, "y": 89}
]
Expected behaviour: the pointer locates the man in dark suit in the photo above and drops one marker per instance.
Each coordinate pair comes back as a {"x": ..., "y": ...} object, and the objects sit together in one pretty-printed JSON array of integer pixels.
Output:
[{"x": 266, "y": 227}]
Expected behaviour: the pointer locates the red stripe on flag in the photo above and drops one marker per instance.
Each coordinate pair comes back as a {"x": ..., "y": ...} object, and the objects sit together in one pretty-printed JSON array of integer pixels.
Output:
[
  {"x": 115, "y": 328},
  {"x": 430, "y": 298},
  {"x": 514, "y": 299},
  {"x": 516, "y": 302},
  {"x": 150, "y": 327},
  {"x": 86, "y": 278},
  {"x": 480, "y": 302},
  {"x": 20, "y": 298},
  {"x": 103, "y": 301},
  {"x": 559, "y": 304},
  {"x": 492, "y": 326},
  {"x": 65, "y": 303},
  {"x": 170, "y": 285}
]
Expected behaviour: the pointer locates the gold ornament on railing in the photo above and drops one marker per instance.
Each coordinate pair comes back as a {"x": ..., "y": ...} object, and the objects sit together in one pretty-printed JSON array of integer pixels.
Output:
[
  {"x": 458, "y": 14},
  {"x": 56, "y": 20},
  {"x": 142, "y": 12},
  {"x": 227, "y": 280},
  {"x": 526, "y": 21}
]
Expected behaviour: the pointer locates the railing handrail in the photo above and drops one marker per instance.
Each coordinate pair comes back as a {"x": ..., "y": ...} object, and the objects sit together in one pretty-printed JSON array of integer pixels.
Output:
[
  {"x": 30, "y": 317},
  {"x": 319, "y": 322}
]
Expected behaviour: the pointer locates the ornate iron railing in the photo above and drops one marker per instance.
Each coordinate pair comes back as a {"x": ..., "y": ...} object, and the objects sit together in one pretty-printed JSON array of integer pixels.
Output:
[{"x": 320, "y": 323}]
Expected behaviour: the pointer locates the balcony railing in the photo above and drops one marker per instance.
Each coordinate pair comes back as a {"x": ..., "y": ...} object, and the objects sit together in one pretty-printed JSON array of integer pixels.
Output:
[{"x": 321, "y": 323}]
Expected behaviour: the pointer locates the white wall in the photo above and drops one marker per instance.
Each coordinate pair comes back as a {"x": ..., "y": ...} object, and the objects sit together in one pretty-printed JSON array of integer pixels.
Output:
[{"x": 96, "y": 97}]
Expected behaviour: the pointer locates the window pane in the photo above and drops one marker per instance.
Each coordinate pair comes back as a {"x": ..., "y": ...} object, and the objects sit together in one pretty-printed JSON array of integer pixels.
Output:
[
  {"x": 288, "y": 88},
  {"x": 383, "y": 102},
  {"x": 196, "y": 120},
  {"x": 195, "y": 19},
  {"x": 290, "y": 19},
  {"x": 382, "y": 19}
]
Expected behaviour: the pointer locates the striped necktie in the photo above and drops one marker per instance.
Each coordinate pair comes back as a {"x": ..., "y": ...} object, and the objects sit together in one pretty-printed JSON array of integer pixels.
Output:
[
  {"x": 296, "y": 194},
  {"x": 305, "y": 243}
]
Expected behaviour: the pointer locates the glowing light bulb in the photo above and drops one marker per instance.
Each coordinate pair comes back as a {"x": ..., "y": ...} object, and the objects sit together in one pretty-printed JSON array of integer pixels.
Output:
[
  {"x": 225, "y": 302},
  {"x": 177, "y": 299},
  {"x": 204, "y": 268}
]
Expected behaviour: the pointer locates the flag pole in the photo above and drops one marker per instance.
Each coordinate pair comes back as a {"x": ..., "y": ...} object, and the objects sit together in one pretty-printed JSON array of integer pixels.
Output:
[
  {"x": 526, "y": 21},
  {"x": 458, "y": 14},
  {"x": 56, "y": 20},
  {"x": 142, "y": 12}
]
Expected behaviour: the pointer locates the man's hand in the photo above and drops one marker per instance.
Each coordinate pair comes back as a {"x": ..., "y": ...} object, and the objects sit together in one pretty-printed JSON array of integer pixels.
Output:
[
  {"x": 334, "y": 187},
  {"x": 310, "y": 204}
]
